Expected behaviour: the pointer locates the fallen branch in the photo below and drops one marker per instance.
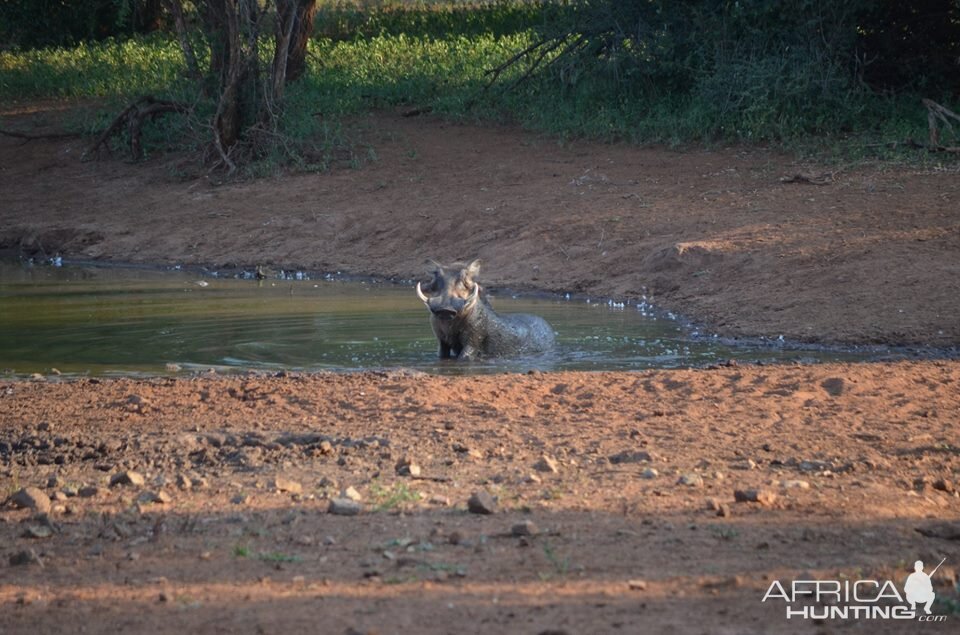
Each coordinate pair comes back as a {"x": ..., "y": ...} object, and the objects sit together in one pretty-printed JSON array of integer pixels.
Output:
[
  {"x": 935, "y": 113},
  {"x": 133, "y": 117}
]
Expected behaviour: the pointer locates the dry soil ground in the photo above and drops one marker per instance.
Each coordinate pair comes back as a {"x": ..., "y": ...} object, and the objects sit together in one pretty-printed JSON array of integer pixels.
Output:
[{"x": 628, "y": 478}]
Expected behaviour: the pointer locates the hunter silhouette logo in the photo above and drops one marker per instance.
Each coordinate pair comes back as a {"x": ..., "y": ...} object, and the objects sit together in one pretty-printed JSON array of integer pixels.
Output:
[
  {"x": 859, "y": 599},
  {"x": 919, "y": 589}
]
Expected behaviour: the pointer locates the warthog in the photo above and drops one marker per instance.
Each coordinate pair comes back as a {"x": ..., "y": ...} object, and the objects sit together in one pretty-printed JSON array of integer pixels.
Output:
[{"x": 468, "y": 327}]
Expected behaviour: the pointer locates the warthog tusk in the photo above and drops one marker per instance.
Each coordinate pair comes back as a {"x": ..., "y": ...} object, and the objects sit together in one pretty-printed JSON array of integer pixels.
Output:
[
  {"x": 420, "y": 294},
  {"x": 473, "y": 295}
]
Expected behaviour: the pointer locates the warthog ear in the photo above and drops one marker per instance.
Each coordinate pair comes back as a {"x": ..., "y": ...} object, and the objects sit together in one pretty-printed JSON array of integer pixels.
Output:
[
  {"x": 433, "y": 267},
  {"x": 472, "y": 270}
]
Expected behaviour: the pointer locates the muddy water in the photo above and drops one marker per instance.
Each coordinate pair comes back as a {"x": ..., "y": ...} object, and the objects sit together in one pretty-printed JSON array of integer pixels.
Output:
[{"x": 126, "y": 321}]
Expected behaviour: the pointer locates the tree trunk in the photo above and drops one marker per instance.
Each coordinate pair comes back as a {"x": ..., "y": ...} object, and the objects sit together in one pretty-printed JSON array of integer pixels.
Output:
[
  {"x": 302, "y": 31},
  {"x": 248, "y": 104}
]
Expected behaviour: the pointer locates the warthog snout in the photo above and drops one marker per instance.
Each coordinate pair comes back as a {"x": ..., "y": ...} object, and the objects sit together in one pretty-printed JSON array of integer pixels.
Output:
[
  {"x": 452, "y": 297},
  {"x": 467, "y": 326}
]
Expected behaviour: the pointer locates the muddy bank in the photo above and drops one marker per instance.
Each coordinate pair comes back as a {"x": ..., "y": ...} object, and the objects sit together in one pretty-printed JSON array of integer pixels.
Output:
[{"x": 859, "y": 255}]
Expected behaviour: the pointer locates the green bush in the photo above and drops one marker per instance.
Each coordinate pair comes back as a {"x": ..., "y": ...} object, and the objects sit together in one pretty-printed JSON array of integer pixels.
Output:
[{"x": 39, "y": 23}]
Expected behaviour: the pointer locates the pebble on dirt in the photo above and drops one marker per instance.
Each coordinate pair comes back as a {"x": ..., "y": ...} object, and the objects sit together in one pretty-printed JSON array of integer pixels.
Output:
[
  {"x": 351, "y": 493},
  {"x": 526, "y": 528},
  {"x": 159, "y": 496},
  {"x": 630, "y": 456},
  {"x": 31, "y": 498},
  {"x": 407, "y": 467},
  {"x": 547, "y": 464},
  {"x": 25, "y": 557},
  {"x": 944, "y": 485},
  {"x": 690, "y": 480},
  {"x": 287, "y": 485},
  {"x": 762, "y": 496},
  {"x": 344, "y": 507},
  {"x": 481, "y": 503},
  {"x": 128, "y": 477}
]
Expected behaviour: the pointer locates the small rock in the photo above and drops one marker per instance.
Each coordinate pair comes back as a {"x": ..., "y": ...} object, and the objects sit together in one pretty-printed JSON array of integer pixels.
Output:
[
  {"x": 712, "y": 504},
  {"x": 55, "y": 481},
  {"x": 37, "y": 531},
  {"x": 814, "y": 466},
  {"x": 481, "y": 503},
  {"x": 25, "y": 557},
  {"x": 69, "y": 490},
  {"x": 283, "y": 484},
  {"x": 159, "y": 496},
  {"x": 31, "y": 498},
  {"x": 748, "y": 464},
  {"x": 455, "y": 537},
  {"x": 637, "y": 585},
  {"x": 329, "y": 541},
  {"x": 183, "y": 482},
  {"x": 88, "y": 491},
  {"x": 407, "y": 467},
  {"x": 438, "y": 499},
  {"x": 59, "y": 496},
  {"x": 794, "y": 484},
  {"x": 128, "y": 477},
  {"x": 690, "y": 480},
  {"x": 762, "y": 496},
  {"x": 351, "y": 493},
  {"x": 630, "y": 456},
  {"x": 649, "y": 473},
  {"x": 547, "y": 464},
  {"x": 200, "y": 482},
  {"x": 326, "y": 447},
  {"x": 526, "y": 528},
  {"x": 240, "y": 499},
  {"x": 344, "y": 507},
  {"x": 944, "y": 485},
  {"x": 532, "y": 478}
]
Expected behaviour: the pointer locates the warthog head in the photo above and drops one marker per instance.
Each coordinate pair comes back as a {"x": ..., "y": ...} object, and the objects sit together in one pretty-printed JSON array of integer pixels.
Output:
[{"x": 453, "y": 291}]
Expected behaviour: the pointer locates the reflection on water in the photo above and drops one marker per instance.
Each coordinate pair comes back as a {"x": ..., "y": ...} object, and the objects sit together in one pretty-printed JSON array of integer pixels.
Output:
[{"x": 122, "y": 321}]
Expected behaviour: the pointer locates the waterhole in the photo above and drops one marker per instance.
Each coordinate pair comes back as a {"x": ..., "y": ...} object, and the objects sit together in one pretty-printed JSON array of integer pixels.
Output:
[{"x": 108, "y": 321}]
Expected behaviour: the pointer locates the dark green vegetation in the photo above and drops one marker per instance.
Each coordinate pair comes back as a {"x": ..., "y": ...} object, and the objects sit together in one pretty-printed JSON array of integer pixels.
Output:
[{"x": 811, "y": 74}]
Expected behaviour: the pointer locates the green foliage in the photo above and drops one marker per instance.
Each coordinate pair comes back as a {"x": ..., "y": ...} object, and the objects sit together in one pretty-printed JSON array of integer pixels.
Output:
[
  {"x": 110, "y": 68},
  {"x": 809, "y": 74},
  {"x": 36, "y": 23},
  {"x": 353, "y": 19}
]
